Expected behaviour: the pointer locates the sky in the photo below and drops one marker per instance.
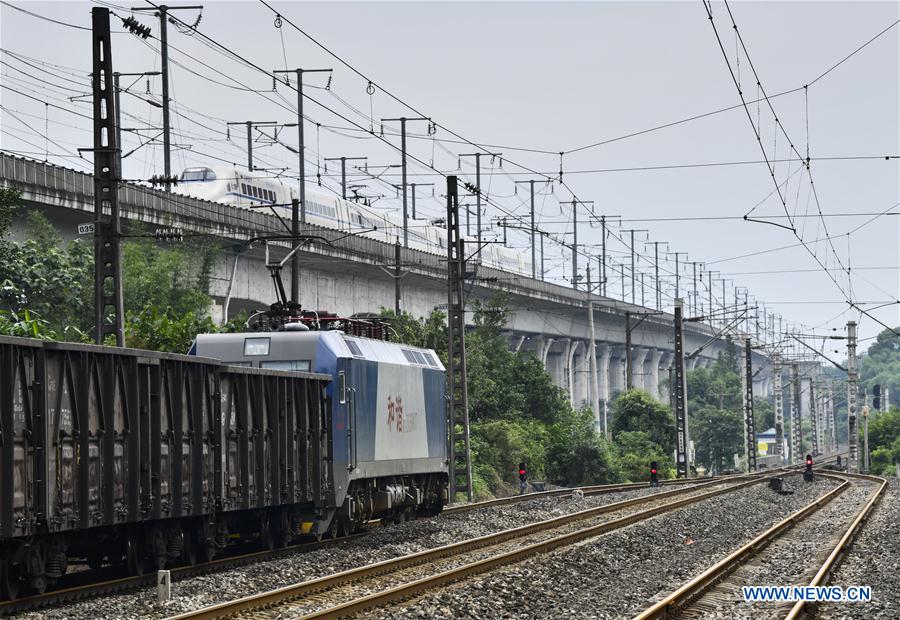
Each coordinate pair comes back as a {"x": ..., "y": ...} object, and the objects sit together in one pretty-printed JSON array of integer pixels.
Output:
[{"x": 530, "y": 80}]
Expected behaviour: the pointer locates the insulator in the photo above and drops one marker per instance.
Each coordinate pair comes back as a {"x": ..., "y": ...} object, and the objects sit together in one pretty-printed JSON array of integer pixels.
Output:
[
  {"x": 278, "y": 21},
  {"x": 370, "y": 89},
  {"x": 148, "y": 86},
  {"x": 328, "y": 84}
]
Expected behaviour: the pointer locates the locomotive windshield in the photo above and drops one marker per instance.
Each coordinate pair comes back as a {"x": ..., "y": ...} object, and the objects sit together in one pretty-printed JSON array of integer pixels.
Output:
[{"x": 198, "y": 174}]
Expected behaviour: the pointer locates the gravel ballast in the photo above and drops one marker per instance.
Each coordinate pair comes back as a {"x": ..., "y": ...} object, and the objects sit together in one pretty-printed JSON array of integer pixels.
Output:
[
  {"x": 873, "y": 560},
  {"x": 378, "y": 545},
  {"x": 618, "y": 574},
  {"x": 793, "y": 558}
]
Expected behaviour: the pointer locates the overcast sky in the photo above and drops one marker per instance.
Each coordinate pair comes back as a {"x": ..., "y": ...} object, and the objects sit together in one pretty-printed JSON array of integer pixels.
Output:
[{"x": 535, "y": 79}]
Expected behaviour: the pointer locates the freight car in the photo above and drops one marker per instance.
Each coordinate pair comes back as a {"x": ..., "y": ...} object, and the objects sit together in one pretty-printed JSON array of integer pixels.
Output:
[
  {"x": 143, "y": 459},
  {"x": 387, "y": 412}
]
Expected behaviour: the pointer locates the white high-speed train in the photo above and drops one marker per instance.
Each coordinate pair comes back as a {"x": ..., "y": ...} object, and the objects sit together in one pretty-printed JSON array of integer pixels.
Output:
[{"x": 235, "y": 186}]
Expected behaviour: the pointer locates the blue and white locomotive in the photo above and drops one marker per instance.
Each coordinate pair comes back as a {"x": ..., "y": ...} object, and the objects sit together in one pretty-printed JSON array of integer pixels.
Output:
[{"x": 386, "y": 426}]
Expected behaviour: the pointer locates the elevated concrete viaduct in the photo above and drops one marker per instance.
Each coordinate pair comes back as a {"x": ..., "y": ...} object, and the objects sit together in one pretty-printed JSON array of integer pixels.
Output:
[{"x": 347, "y": 277}]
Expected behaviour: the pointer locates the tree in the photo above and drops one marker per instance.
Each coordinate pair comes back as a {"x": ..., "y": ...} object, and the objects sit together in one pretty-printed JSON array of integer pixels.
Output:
[
  {"x": 635, "y": 451},
  {"x": 47, "y": 288},
  {"x": 718, "y": 435},
  {"x": 516, "y": 412},
  {"x": 881, "y": 363},
  {"x": 577, "y": 455},
  {"x": 10, "y": 203},
  {"x": 53, "y": 283},
  {"x": 166, "y": 276},
  {"x": 429, "y": 332},
  {"x": 635, "y": 410}
]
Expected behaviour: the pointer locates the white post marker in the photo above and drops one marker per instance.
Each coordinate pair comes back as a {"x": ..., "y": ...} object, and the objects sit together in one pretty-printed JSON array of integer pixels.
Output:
[{"x": 164, "y": 585}]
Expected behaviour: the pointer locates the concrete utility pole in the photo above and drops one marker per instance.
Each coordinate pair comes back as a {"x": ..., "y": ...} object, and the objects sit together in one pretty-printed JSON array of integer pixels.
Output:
[
  {"x": 412, "y": 193},
  {"x": 696, "y": 299},
  {"x": 724, "y": 303},
  {"x": 397, "y": 300},
  {"x": 832, "y": 413},
  {"x": 603, "y": 255},
  {"x": 477, "y": 157},
  {"x": 162, "y": 12},
  {"x": 344, "y": 161},
  {"x": 779, "y": 405},
  {"x": 592, "y": 353},
  {"x": 852, "y": 393},
  {"x": 865, "y": 413},
  {"x": 628, "y": 374},
  {"x": 796, "y": 422},
  {"x": 298, "y": 212},
  {"x": 813, "y": 416},
  {"x": 656, "y": 245},
  {"x": 533, "y": 229},
  {"x": 677, "y": 272},
  {"x": 631, "y": 231},
  {"x": 749, "y": 423},
  {"x": 250, "y": 125},
  {"x": 682, "y": 463},
  {"x": 118, "y": 90},
  {"x": 575, "y": 204}
]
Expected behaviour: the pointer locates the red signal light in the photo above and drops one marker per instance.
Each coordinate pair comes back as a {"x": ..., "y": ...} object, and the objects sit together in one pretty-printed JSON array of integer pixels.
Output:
[
  {"x": 652, "y": 471},
  {"x": 521, "y": 472}
]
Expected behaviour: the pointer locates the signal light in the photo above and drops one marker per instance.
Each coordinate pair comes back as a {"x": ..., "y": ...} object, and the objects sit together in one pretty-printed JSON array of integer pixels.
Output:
[
  {"x": 654, "y": 474},
  {"x": 808, "y": 474},
  {"x": 523, "y": 476},
  {"x": 876, "y": 397}
]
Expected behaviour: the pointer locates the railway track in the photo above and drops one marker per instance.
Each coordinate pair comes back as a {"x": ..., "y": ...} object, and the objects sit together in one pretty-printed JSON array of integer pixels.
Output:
[
  {"x": 78, "y": 587},
  {"x": 354, "y": 591},
  {"x": 113, "y": 585},
  {"x": 800, "y": 550}
]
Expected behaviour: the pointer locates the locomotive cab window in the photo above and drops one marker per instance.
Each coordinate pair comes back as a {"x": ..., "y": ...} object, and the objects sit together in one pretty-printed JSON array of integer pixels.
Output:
[
  {"x": 295, "y": 365},
  {"x": 256, "y": 346}
]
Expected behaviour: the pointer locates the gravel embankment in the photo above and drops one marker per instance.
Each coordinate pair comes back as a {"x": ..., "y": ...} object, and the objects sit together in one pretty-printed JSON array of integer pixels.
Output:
[
  {"x": 792, "y": 559},
  {"x": 617, "y": 574},
  {"x": 377, "y": 545},
  {"x": 873, "y": 560}
]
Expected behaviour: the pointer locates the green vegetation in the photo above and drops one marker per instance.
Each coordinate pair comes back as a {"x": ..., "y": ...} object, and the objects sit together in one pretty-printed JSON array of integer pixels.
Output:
[
  {"x": 517, "y": 414},
  {"x": 881, "y": 365},
  {"x": 46, "y": 287}
]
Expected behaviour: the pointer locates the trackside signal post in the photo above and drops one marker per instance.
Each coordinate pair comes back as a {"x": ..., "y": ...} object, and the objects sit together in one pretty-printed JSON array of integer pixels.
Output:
[
  {"x": 108, "y": 302},
  {"x": 852, "y": 405},
  {"x": 458, "y": 427},
  {"x": 682, "y": 465}
]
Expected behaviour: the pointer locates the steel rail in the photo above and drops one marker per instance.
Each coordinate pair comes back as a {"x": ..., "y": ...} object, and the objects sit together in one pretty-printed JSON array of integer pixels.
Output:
[
  {"x": 122, "y": 584},
  {"x": 597, "y": 489},
  {"x": 82, "y": 591},
  {"x": 837, "y": 554},
  {"x": 693, "y": 589},
  {"x": 291, "y": 592}
]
